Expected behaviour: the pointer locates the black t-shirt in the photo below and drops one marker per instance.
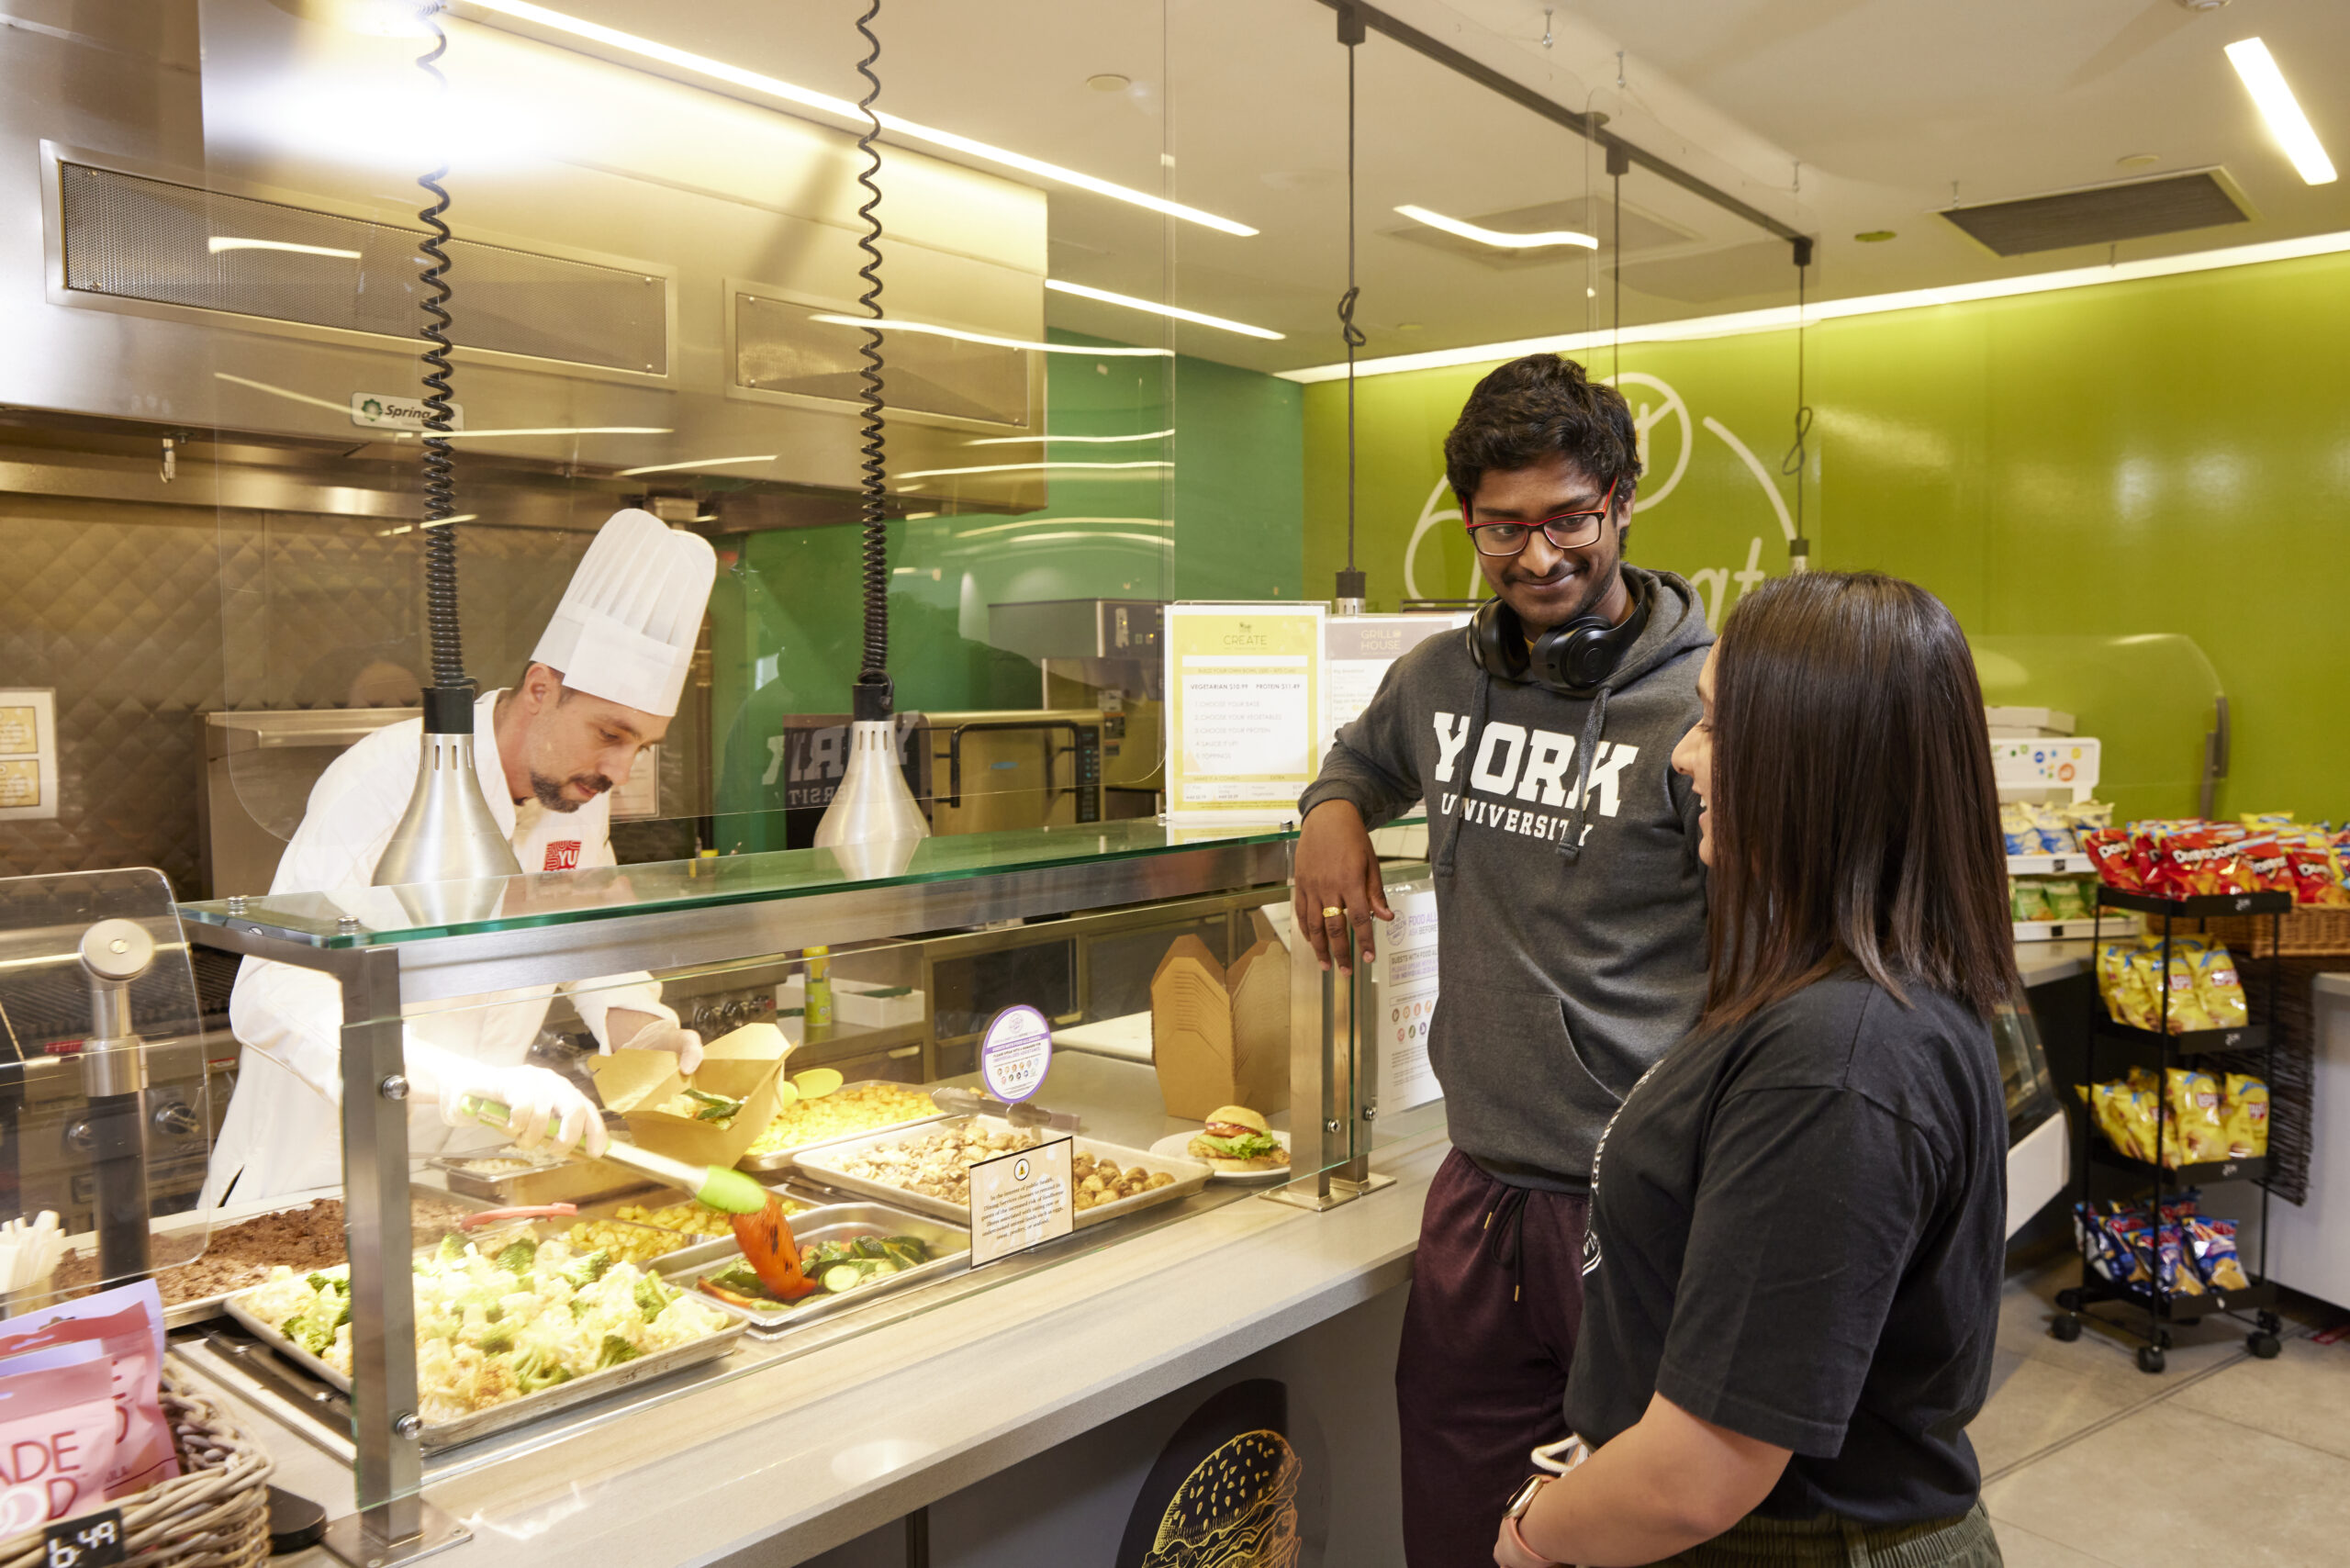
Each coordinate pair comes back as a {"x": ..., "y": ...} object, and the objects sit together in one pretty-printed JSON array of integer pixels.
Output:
[{"x": 1796, "y": 1233}]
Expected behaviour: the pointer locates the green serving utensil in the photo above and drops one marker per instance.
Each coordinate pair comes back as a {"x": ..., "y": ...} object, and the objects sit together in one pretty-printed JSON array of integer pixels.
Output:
[{"x": 721, "y": 1187}]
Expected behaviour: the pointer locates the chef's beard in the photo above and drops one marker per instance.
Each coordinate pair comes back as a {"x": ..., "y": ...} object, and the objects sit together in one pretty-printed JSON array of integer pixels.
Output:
[{"x": 551, "y": 795}]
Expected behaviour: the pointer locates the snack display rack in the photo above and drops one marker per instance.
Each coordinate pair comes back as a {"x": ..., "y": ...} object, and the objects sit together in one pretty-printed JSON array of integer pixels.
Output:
[{"x": 2162, "y": 1050}]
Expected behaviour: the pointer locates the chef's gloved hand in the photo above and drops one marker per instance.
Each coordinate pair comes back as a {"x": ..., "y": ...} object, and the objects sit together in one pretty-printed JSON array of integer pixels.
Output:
[
  {"x": 542, "y": 1108},
  {"x": 629, "y": 1030}
]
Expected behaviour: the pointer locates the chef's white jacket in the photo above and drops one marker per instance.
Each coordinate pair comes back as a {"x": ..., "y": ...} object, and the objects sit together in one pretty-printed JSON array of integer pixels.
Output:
[{"x": 283, "y": 1130}]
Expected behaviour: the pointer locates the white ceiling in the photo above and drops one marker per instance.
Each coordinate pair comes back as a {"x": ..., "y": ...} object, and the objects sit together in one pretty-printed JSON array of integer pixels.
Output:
[{"x": 1238, "y": 106}]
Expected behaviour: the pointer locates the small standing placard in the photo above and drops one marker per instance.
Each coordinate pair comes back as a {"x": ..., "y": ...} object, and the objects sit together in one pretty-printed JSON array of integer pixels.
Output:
[
  {"x": 1015, "y": 1053},
  {"x": 1021, "y": 1200}
]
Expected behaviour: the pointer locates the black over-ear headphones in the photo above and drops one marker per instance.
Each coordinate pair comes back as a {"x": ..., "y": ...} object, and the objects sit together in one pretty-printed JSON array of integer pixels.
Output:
[{"x": 1577, "y": 656}]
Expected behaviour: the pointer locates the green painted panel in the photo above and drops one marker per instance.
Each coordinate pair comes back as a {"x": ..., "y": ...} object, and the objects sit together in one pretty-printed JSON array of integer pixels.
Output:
[{"x": 2168, "y": 456}]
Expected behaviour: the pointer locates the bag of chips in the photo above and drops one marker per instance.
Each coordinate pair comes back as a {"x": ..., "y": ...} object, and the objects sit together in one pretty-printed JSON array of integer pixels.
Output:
[
  {"x": 2052, "y": 828},
  {"x": 2317, "y": 873},
  {"x": 2088, "y": 816},
  {"x": 2175, "y": 1275},
  {"x": 2196, "y": 863},
  {"x": 2027, "y": 898},
  {"x": 2218, "y": 989},
  {"x": 2212, "y": 1243},
  {"x": 2068, "y": 898},
  {"x": 2247, "y": 1117},
  {"x": 2114, "y": 855},
  {"x": 2127, "y": 1117},
  {"x": 2015, "y": 827},
  {"x": 2192, "y": 1100},
  {"x": 2183, "y": 1011},
  {"x": 2265, "y": 866},
  {"x": 2125, "y": 978}
]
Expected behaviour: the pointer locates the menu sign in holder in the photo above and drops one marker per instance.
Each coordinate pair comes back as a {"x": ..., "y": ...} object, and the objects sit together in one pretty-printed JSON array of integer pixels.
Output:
[
  {"x": 1244, "y": 697},
  {"x": 1027, "y": 1197}
]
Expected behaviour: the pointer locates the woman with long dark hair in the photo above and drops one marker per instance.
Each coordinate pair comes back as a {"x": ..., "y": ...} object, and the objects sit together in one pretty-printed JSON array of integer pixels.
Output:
[{"x": 1797, "y": 1217}]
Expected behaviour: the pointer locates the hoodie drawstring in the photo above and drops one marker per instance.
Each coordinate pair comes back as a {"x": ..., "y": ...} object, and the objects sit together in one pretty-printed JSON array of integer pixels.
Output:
[
  {"x": 1594, "y": 721},
  {"x": 1477, "y": 728},
  {"x": 1510, "y": 1209}
]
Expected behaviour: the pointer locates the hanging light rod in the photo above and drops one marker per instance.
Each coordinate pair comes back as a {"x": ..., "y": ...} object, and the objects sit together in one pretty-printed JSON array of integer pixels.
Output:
[
  {"x": 1176, "y": 312},
  {"x": 1591, "y": 128},
  {"x": 499, "y": 13},
  {"x": 1499, "y": 238}
]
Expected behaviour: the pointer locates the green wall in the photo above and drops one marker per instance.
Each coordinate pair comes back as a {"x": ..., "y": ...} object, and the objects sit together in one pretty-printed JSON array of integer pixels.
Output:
[
  {"x": 2077, "y": 473},
  {"x": 1223, "y": 522}
]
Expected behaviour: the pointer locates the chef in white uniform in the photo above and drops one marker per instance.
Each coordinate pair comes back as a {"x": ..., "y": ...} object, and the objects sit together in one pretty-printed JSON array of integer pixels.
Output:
[{"x": 602, "y": 685}]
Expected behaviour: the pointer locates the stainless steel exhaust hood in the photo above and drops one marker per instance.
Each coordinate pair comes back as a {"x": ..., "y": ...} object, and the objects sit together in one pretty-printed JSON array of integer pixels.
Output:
[{"x": 228, "y": 248}]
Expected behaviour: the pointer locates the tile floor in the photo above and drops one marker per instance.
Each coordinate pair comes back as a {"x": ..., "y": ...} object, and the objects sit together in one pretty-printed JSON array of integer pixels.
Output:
[{"x": 2220, "y": 1460}]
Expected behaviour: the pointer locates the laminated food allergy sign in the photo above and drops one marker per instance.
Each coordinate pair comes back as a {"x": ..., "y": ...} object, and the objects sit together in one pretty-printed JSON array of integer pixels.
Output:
[
  {"x": 1244, "y": 708},
  {"x": 1021, "y": 1200},
  {"x": 1406, "y": 970}
]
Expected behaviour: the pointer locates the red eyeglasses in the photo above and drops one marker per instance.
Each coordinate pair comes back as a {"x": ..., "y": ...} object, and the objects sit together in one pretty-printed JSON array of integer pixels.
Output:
[{"x": 1568, "y": 530}]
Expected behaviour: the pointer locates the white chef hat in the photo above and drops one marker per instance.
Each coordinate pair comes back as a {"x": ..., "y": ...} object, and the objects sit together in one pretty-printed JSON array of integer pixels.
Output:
[{"x": 625, "y": 629}]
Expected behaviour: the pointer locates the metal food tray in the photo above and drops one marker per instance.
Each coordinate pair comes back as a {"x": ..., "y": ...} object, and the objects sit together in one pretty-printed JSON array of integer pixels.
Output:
[
  {"x": 785, "y": 1158},
  {"x": 1190, "y": 1175},
  {"x": 564, "y": 1182},
  {"x": 204, "y": 1309},
  {"x": 530, "y": 1406},
  {"x": 950, "y": 1250}
]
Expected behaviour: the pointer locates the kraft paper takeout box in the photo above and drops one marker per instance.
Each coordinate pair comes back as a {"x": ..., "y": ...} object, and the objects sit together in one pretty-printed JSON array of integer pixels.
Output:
[
  {"x": 1221, "y": 1037},
  {"x": 745, "y": 1065}
]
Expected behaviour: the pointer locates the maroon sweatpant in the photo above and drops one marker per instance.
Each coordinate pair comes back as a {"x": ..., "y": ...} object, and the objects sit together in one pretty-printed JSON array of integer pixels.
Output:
[{"x": 1488, "y": 1336}]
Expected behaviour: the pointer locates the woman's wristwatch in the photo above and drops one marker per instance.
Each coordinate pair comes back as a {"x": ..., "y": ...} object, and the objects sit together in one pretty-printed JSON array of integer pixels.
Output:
[{"x": 1516, "y": 1512}]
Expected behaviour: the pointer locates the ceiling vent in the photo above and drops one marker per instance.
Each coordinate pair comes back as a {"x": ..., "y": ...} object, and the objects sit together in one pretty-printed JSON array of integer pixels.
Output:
[{"x": 2105, "y": 215}]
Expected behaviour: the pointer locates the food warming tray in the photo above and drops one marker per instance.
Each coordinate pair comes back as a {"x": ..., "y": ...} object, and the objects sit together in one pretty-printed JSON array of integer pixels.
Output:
[
  {"x": 561, "y": 1182},
  {"x": 823, "y": 1165},
  {"x": 785, "y": 1158},
  {"x": 530, "y": 1406},
  {"x": 949, "y": 1247}
]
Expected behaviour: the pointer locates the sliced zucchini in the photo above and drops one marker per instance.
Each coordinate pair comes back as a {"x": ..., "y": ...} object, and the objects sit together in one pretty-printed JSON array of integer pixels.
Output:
[{"x": 843, "y": 1278}]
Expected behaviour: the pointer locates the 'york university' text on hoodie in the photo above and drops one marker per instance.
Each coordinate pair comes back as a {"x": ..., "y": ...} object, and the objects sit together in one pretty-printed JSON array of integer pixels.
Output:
[{"x": 1564, "y": 973}]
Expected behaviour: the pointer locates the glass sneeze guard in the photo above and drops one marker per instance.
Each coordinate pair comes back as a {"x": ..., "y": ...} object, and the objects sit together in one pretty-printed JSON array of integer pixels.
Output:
[{"x": 371, "y": 916}]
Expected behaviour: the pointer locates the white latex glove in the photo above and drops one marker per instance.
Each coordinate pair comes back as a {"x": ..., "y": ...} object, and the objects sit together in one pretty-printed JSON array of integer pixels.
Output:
[
  {"x": 629, "y": 1030},
  {"x": 542, "y": 1106}
]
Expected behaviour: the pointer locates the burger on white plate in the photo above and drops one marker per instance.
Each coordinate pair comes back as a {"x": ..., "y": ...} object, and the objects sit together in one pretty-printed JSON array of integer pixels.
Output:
[{"x": 1236, "y": 1140}]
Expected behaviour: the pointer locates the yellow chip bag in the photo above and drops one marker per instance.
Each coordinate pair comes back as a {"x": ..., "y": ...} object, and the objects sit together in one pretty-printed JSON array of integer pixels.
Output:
[
  {"x": 2126, "y": 1116},
  {"x": 2218, "y": 989},
  {"x": 2186, "y": 1013},
  {"x": 2193, "y": 1101},
  {"x": 2247, "y": 1118}
]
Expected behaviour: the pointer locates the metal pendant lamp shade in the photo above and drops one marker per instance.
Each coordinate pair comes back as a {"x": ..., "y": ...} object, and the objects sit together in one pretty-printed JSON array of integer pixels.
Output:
[
  {"x": 873, "y": 805},
  {"x": 448, "y": 855}
]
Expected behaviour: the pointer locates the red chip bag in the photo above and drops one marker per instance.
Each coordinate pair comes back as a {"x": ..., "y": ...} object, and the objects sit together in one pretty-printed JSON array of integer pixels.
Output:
[
  {"x": 2115, "y": 855},
  {"x": 127, "y": 1323},
  {"x": 2196, "y": 863},
  {"x": 2317, "y": 877},
  {"x": 2266, "y": 866}
]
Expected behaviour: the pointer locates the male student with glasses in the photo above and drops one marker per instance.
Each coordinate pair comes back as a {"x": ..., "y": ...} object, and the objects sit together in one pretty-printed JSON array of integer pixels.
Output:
[{"x": 1570, "y": 912}]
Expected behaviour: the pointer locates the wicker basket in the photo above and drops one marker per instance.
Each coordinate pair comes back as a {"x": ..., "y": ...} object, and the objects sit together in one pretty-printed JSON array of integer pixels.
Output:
[
  {"x": 2309, "y": 933},
  {"x": 214, "y": 1514}
]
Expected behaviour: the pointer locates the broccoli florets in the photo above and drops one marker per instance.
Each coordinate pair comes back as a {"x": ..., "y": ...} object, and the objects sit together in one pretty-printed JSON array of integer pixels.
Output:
[
  {"x": 652, "y": 1297},
  {"x": 516, "y": 1257},
  {"x": 585, "y": 1270},
  {"x": 537, "y": 1369},
  {"x": 496, "y": 1339},
  {"x": 616, "y": 1351}
]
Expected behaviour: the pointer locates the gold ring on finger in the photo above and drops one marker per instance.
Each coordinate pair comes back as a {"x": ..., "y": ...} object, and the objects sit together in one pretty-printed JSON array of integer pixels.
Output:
[{"x": 1332, "y": 912}]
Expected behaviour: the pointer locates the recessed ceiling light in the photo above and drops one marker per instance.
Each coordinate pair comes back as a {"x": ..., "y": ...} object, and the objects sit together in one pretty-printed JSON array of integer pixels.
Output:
[
  {"x": 1590, "y": 293},
  {"x": 1495, "y": 236},
  {"x": 1109, "y": 81},
  {"x": 2138, "y": 160},
  {"x": 805, "y": 98},
  {"x": 2281, "y": 110},
  {"x": 2203, "y": 5},
  {"x": 1873, "y": 236}
]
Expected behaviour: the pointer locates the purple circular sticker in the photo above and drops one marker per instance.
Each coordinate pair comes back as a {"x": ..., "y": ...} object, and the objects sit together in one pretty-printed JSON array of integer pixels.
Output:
[{"x": 1015, "y": 1053}]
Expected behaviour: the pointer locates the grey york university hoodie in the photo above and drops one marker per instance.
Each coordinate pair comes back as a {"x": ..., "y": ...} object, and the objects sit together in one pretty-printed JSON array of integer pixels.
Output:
[{"x": 1571, "y": 934}]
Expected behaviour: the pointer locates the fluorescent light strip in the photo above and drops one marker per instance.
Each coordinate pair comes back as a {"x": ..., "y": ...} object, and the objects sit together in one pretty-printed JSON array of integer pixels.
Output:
[
  {"x": 1022, "y": 468},
  {"x": 2281, "y": 110},
  {"x": 1082, "y": 538},
  {"x": 1778, "y": 317},
  {"x": 1495, "y": 236},
  {"x": 552, "y": 429},
  {"x": 420, "y": 527},
  {"x": 773, "y": 87},
  {"x": 834, "y": 319},
  {"x": 698, "y": 463},
  {"x": 1131, "y": 303},
  {"x": 1024, "y": 439},
  {"x": 220, "y": 242},
  {"x": 1062, "y": 521}
]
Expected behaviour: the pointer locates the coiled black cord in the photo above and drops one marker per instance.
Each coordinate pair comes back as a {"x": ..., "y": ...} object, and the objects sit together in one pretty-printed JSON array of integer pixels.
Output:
[
  {"x": 873, "y": 675},
  {"x": 439, "y": 465}
]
